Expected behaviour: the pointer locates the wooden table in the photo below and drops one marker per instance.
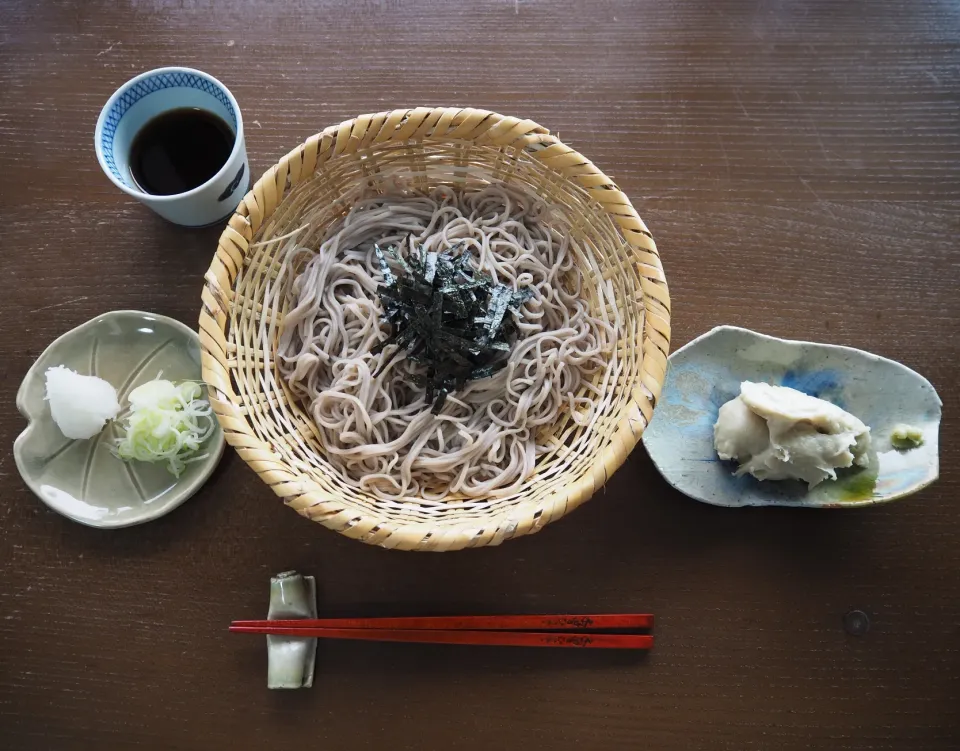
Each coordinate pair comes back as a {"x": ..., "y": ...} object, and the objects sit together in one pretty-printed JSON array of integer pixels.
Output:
[{"x": 818, "y": 141}]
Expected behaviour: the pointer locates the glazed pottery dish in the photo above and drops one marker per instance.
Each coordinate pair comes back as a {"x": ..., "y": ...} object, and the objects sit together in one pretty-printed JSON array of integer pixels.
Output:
[
  {"x": 708, "y": 372},
  {"x": 82, "y": 479}
]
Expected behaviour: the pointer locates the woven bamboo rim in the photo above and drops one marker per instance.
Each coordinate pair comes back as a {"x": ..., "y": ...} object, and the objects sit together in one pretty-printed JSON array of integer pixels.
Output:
[{"x": 426, "y": 146}]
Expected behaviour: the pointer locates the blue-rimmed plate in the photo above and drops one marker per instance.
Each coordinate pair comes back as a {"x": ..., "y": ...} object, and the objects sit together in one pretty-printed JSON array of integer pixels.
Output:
[
  {"x": 82, "y": 479},
  {"x": 708, "y": 371}
]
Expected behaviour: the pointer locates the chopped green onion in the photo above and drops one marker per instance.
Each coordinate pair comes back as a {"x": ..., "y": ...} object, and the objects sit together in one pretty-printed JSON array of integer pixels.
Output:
[{"x": 165, "y": 423}]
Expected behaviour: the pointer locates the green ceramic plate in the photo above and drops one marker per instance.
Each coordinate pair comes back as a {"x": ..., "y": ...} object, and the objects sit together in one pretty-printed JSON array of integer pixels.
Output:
[{"x": 82, "y": 479}]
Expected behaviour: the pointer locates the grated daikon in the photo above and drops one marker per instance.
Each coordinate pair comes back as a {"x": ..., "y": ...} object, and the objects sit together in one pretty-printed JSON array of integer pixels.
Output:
[{"x": 80, "y": 405}]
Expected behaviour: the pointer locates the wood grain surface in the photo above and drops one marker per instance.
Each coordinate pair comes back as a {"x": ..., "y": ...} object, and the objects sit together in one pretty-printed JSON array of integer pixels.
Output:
[{"x": 799, "y": 166}]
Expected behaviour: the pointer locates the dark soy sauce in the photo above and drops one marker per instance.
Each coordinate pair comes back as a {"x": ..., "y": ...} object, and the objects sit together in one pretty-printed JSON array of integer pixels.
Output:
[{"x": 178, "y": 150}]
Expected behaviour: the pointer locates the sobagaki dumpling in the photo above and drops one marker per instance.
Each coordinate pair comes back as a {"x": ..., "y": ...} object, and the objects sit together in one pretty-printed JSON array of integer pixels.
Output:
[{"x": 778, "y": 433}]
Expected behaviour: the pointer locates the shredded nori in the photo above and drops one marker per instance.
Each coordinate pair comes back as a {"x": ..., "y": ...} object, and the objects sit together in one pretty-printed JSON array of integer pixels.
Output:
[{"x": 446, "y": 316}]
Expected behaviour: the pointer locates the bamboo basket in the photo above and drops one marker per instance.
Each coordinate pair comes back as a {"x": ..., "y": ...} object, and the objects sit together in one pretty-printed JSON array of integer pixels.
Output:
[{"x": 426, "y": 147}]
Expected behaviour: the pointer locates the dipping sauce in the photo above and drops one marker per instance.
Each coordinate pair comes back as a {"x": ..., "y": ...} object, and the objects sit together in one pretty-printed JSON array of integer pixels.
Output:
[{"x": 179, "y": 150}]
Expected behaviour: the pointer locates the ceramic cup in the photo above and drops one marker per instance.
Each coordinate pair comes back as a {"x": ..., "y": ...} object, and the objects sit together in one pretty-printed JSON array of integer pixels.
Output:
[{"x": 141, "y": 99}]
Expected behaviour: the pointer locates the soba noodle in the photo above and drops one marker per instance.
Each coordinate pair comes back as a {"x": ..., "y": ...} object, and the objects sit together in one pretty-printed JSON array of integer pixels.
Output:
[{"x": 378, "y": 431}]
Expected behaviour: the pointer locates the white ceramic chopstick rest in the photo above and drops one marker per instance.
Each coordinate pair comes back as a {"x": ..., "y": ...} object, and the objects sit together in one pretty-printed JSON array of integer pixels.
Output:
[{"x": 291, "y": 659}]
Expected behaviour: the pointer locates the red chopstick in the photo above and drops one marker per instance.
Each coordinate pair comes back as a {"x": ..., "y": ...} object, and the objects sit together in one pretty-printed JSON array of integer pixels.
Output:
[
  {"x": 582, "y": 631},
  {"x": 488, "y": 638},
  {"x": 469, "y": 622}
]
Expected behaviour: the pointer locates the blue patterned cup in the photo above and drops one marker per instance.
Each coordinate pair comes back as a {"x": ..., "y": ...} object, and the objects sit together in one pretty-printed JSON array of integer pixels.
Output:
[{"x": 150, "y": 94}]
